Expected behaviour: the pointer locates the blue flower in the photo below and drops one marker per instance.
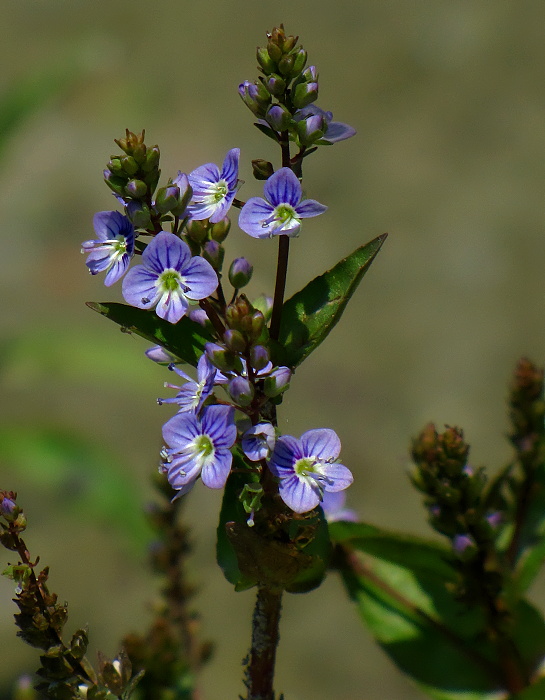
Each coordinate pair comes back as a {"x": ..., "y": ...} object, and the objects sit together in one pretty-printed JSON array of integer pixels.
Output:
[
  {"x": 168, "y": 278},
  {"x": 193, "y": 394},
  {"x": 333, "y": 131},
  {"x": 113, "y": 249},
  {"x": 258, "y": 441},
  {"x": 213, "y": 192},
  {"x": 307, "y": 468},
  {"x": 199, "y": 446},
  {"x": 333, "y": 505},
  {"x": 282, "y": 209}
]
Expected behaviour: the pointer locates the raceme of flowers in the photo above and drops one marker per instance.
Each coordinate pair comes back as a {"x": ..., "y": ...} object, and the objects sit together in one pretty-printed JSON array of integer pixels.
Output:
[{"x": 175, "y": 234}]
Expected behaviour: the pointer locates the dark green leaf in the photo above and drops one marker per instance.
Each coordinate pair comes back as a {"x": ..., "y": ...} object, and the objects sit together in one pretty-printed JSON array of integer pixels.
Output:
[
  {"x": 310, "y": 314},
  {"x": 534, "y": 692},
  {"x": 184, "y": 339},
  {"x": 402, "y": 587}
]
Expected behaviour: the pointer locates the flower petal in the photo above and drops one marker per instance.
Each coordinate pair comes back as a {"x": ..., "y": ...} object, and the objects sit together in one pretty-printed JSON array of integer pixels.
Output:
[
  {"x": 166, "y": 251},
  {"x": 298, "y": 494},
  {"x": 214, "y": 475},
  {"x": 200, "y": 277},
  {"x": 172, "y": 306},
  {"x": 253, "y": 214},
  {"x": 283, "y": 187},
  {"x": 310, "y": 207},
  {"x": 340, "y": 475},
  {"x": 229, "y": 170},
  {"x": 140, "y": 288},
  {"x": 322, "y": 443},
  {"x": 180, "y": 430}
]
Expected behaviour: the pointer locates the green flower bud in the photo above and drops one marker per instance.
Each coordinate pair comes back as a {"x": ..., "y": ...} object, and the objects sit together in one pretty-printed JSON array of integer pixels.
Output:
[
  {"x": 136, "y": 189},
  {"x": 285, "y": 64},
  {"x": 152, "y": 159},
  {"x": 197, "y": 230},
  {"x": 220, "y": 230},
  {"x": 234, "y": 340},
  {"x": 130, "y": 166},
  {"x": 240, "y": 272},
  {"x": 262, "y": 169},
  {"x": 265, "y": 61}
]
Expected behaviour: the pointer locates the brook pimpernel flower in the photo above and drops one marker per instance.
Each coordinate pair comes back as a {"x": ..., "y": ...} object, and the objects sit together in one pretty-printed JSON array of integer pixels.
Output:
[
  {"x": 168, "y": 278},
  {"x": 113, "y": 248},
  {"x": 282, "y": 209},
  {"x": 199, "y": 445},
  {"x": 214, "y": 191},
  {"x": 307, "y": 467},
  {"x": 193, "y": 394}
]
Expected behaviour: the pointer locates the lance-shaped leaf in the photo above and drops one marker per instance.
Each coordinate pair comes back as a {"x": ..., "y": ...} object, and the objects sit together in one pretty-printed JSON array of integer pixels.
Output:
[
  {"x": 404, "y": 588},
  {"x": 310, "y": 314},
  {"x": 184, "y": 339}
]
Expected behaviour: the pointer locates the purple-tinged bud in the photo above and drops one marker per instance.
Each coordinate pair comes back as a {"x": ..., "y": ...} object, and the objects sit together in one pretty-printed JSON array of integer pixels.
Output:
[
  {"x": 300, "y": 60},
  {"x": 234, "y": 340},
  {"x": 198, "y": 315},
  {"x": 277, "y": 381},
  {"x": 152, "y": 159},
  {"x": 311, "y": 129},
  {"x": 310, "y": 75},
  {"x": 257, "y": 324},
  {"x": 241, "y": 391},
  {"x": 197, "y": 230},
  {"x": 184, "y": 197},
  {"x": 136, "y": 189},
  {"x": 220, "y": 230},
  {"x": 240, "y": 272},
  {"x": 278, "y": 117},
  {"x": 9, "y": 510},
  {"x": 139, "y": 214},
  {"x": 259, "y": 357},
  {"x": 130, "y": 166},
  {"x": 495, "y": 519},
  {"x": 304, "y": 94},
  {"x": 265, "y": 61},
  {"x": 214, "y": 253},
  {"x": 220, "y": 357},
  {"x": 117, "y": 184},
  {"x": 116, "y": 166},
  {"x": 262, "y": 169},
  {"x": 275, "y": 85},
  {"x": 255, "y": 96},
  {"x": 464, "y": 547},
  {"x": 167, "y": 198}
]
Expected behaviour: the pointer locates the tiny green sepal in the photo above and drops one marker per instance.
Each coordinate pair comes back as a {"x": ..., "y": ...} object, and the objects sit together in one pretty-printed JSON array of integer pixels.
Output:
[
  {"x": 310, "y": 314},
  {"x": 185, "y": 339}
]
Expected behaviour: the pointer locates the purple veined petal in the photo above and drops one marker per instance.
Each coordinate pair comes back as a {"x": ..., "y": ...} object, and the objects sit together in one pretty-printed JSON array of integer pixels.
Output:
[
  {"x": 214, "y": 475},
  {"x": 221, "y": 208},
  {"x": 218, "y": 423},
  {"x": 200, "y": 277},
  {"x": 139, "y": 285},
  {"x": 252, "y": 215},
  {"x": 283, "y": 187},
  {"x": 172, "y": 306},
  {"x": 166, "y": 251},
  {"x": 322, "y": 443},
  {"x": 338, "y": 131},
  {"x": 158, "y": 354},
  {"x": 201, "y": 210},
  {"x": 286, "y": 452},
  {"x": 182, "y": 470},
  {"x": 180, "y": 430},
  {"x": 201, "y": 177},
  {"x": 340, "y": 475},
  {"x": 298, "y": 494},
  {"x": 98, "y": 259},
  {"x": 310, "y": 207},
  {"x": 186, "y": 488},
  {"x": 229, "y": 171},
  {"x": 117, "y": 270},
  {"x": 108, "y": 224}
]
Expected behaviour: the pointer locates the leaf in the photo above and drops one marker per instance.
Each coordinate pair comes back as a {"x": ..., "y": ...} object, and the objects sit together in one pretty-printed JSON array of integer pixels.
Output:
[
  {"x": 310, "y": 314},
  {"x": 401, "y": 587},
  {"x": 185, "y": 339},
  {"x": 534, "y": 692}
]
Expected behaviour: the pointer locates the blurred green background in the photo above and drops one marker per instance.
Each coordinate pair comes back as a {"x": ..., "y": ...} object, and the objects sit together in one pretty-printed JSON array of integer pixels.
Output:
[{"x": 449, "y": 104}]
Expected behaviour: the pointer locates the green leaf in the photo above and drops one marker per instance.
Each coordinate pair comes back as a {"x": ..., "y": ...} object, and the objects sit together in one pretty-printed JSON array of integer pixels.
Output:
[
  {"x": 184, "y": 339},
  {"x": 534, "y": 692},
  {"x": 402, "y": 588},
  {"x": 310, "y": 314}
]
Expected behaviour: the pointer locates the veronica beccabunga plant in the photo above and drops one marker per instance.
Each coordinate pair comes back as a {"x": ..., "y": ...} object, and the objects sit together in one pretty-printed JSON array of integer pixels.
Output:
[{"x": 452, "y": 616}]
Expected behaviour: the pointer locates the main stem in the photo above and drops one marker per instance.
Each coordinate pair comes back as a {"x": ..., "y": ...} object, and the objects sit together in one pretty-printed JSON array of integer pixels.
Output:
[{"x": 260, "y": 671}]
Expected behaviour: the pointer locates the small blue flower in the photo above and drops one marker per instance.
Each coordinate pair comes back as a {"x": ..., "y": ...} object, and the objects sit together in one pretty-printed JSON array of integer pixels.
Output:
[
  {"x": 113, "y": 249},
  {"x": 193, "y": 394},
  {"x": 199, "y": 446},
  {"x": 307, "y": 468},
  {"x": 169, "y": 278},
  {"x": 334, "y": 131},
  {"x": 258, "y": 441},
  {"x": 333, "y": 505},
  {"x": 213, "y": 192},
  {"x": 282, "y": 209}
]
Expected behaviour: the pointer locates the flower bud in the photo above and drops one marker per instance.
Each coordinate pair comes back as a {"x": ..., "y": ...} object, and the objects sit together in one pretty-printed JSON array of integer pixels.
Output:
[
  {"x": 197, "y": 230},
  {"x": 139, "y": 214},
  {"x": 310, "y": 74},
  {"x": 274, "y": 51},
  {"x": 304, "y": 94},
  {"x": 299, "y": 62},
  {"x": 117, "y": 184},
  {"x": 255, "y": 96},
  {"x": 240, "y": 272},
  {"x": 214, "y": 253},
  {"x": 285, "y": 64},
  {"x": 257, "y": 324},
  {"x": 277, "y": 381},
  {"x": 130, "y": 166},
  {"x": 311, "y": 129},
  {"x": 152, "y": 159},
  {"x": 278, "y": 117},
  {"x": 198, "y": 315},
  {"x": 259, "y": 357},
  {"x": 265, "y": 61},
  {"x": 8, "y": 508},
  {"x": 220, "y": 230},
  {"x": 464, "y": 547},
  {"x": 264, "y": 305},
  {"x": 234, "y": 340},
  {"x": 116, "y": 166},
  {"x": 136, "y": 189},
  {"x": 166, "y": 198},
  {"x": 262, "y": 169},
  {"x": 220, "y": 357},
  {"x": 275, "y": 85},
  {"x": 241, "y": 391}
]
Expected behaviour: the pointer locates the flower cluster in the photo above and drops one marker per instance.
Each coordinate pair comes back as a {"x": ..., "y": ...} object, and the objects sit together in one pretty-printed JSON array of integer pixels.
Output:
[{"x": 179, "y": 231}]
